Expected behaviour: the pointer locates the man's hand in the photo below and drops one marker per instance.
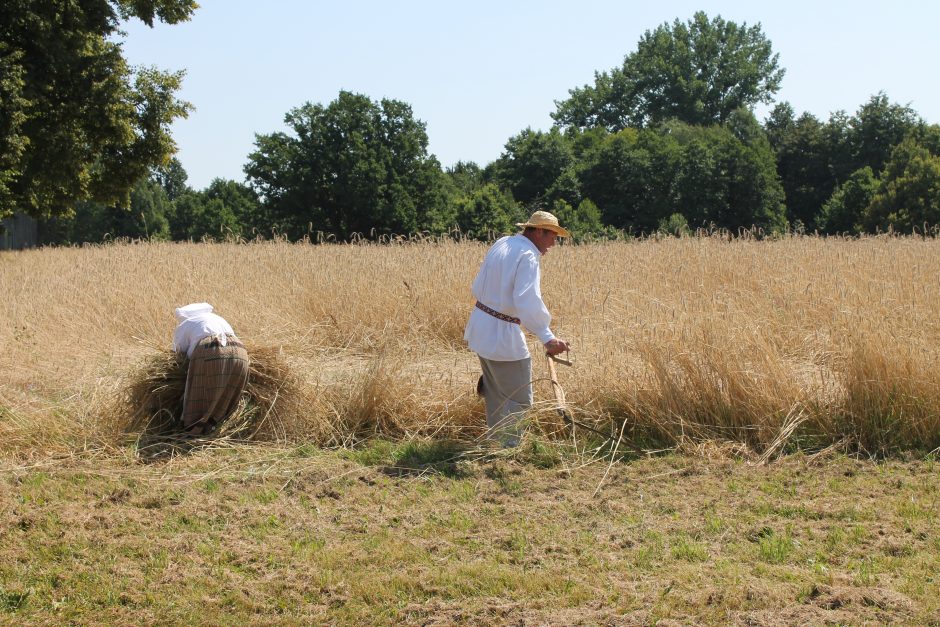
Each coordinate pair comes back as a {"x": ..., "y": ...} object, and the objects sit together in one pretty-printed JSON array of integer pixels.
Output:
[{"x": 553, "y": 347}]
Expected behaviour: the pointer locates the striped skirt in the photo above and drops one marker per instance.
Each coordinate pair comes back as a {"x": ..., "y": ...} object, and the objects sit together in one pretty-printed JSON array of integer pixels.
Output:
[{"x": 216, "y": 378}]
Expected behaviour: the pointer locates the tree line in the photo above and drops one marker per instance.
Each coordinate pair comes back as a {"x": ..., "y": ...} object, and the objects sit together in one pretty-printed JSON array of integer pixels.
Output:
[{"x": 667, "y": 141}]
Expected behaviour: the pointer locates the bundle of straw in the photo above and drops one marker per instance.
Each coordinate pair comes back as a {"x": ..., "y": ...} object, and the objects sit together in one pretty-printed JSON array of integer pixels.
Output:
[
  {"x": 152, "y": 401},
  {"x": 277, "y": 405}
]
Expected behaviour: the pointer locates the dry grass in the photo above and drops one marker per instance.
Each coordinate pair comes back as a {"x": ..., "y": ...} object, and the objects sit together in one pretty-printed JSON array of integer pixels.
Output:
[
  {"x": 261, "y": 535},
  {"x": 800, "y": 342}
]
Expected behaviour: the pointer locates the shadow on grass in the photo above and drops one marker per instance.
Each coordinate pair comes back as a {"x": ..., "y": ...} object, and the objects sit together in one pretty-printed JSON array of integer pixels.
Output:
[
  {"x": 161, "y": 437},
  {"x": 10, "y": 601},
  {"x": 435, "y": 456},
  {"x": 164, "y": 437},
  {"x": 444, "y": 457},
  {"x": 413, "y": 458},
  {"x": 161, "y": 447}
]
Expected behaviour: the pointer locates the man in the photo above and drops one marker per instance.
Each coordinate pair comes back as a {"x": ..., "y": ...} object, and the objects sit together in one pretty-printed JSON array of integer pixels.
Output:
[
  {"x": 509, "y": 294},
  {"x": 218, "y": 367}
]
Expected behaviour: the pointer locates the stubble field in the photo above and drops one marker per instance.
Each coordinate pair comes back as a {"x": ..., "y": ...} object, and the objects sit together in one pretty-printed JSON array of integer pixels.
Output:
[{"x": 774, "y": 404}]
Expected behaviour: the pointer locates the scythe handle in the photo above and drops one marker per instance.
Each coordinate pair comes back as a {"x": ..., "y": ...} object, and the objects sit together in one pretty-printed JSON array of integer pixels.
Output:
[
  {"x": 562, "y": 407},
  {"x": 556, "y": 389}
]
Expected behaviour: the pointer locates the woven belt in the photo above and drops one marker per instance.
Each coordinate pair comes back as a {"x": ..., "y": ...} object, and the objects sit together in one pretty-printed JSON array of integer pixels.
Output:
[
  {"x": 496, "y": 314},
  {"x": 216, "y": 342}
]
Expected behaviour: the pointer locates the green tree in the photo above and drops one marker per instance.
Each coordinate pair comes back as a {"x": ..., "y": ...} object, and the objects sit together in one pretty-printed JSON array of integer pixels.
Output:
[
  {"x": 877, "y": 127},
  {"x": 698, "y": 72},
  {"x": 466, "y": 176},
  {"x": 728, "y": 175},
  {"x": 700, "y": 195},
  {"x": 243, "y": 205},
  {"x": 928, "y": 136},
  {"x": 842, "y": 163},
  {"x": 224, "y": 209},
  {"x": 566, "y": 187},
  {"x": 487, "y": 212},
  {"x": 531, "y": 163},
  {"x": 13, "y": 141},
  {"x": 583, "y": 220},
  {"x": 722, "y": 175},
  {"x": 354, "y": 166},
  {"x": 198, "y": 217},
  {"x": 803, "y": 159},
  {"x": 842, "y": 213},
  {"x": 76, "y": 122},
  {"x": 146, "y": 217},
  {"x": 630, "y": 176},
  {"x": 814, "y": 159},
  {"x": 779, "y": 124},
  {"x": 676, "y": 224},
  {"x": 187, "y": 217},
  {"x": 908, "y": 197},
  {"x": 172, "y": 177}
]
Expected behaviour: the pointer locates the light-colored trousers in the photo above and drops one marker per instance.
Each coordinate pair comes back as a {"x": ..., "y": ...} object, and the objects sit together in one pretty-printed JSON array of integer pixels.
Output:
[{"x": 507, "y": 390}]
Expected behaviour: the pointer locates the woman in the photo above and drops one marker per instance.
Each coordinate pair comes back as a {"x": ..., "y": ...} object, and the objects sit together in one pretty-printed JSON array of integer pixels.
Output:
[{"x": 218, "y": 367}]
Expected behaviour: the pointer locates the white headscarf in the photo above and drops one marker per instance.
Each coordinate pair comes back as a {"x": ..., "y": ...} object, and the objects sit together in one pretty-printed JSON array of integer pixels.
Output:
[{"x": 193, "y": 310}]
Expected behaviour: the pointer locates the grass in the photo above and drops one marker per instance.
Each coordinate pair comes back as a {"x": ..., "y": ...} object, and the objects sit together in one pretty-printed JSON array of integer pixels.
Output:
[
  {"x": 775, "y": 548},
  {"x": 280, "y": 538}
]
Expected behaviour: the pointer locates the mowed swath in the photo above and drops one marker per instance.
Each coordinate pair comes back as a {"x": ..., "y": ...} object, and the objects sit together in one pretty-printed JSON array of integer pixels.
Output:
[{"x": 802, "y": 338}]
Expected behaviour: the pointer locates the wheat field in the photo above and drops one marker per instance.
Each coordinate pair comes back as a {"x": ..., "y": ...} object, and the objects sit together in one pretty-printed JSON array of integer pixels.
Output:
[{"x": 775, "y": 345}]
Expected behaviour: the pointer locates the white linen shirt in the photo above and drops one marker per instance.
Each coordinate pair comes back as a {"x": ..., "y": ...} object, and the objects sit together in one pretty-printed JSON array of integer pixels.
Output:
[
  {"x": 509, "y": 282},
  {"x": 196, "y": 321}
]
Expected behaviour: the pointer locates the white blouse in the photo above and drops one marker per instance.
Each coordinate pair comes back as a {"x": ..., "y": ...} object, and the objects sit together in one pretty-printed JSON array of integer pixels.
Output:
[
  {"x": 196, "y": 321},
  {"x": 509, "y": 282}
]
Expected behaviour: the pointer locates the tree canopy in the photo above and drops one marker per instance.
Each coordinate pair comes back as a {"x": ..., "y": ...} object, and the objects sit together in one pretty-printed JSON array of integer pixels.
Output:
[
  {"x": 717, "y": 175},
  {"x": 698, "y": 72},
  {"x": 667, "y": 142},
  {"x": 353, "y": 166},
  {"x": 828, "y": 169},
  {"x": 908, "y": 197},
  {"x": 77, "y": 123},
  {"x": 531, "y": 162}
]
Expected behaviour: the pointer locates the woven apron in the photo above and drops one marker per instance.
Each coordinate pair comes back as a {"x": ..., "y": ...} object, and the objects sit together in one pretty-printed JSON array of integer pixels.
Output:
[{"x": 216, "y": 378}]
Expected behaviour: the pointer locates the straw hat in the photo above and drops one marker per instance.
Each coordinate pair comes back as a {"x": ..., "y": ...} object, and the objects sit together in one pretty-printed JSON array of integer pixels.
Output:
[{"x": 545, "y": 220}]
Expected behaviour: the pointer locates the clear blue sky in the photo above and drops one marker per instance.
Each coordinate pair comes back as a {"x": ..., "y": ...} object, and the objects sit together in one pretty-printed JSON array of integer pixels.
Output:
[{"x": 479, "y": 72}]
